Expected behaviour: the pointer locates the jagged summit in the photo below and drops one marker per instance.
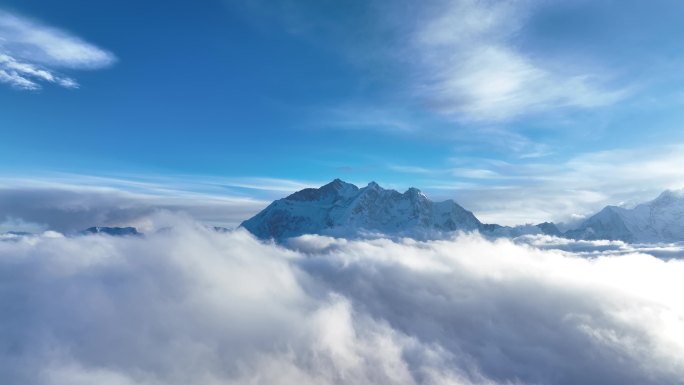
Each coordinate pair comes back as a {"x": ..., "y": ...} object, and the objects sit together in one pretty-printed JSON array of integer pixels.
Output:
[{"x": 342, "y": 208}]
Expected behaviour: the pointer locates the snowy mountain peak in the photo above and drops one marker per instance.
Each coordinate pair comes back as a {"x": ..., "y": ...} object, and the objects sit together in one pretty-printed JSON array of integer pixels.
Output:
[{"x": 341, "y": 208}]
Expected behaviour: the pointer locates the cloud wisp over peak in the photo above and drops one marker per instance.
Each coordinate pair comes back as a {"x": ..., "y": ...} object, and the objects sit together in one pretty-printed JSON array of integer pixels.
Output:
[{"x": 32, "y": 53}]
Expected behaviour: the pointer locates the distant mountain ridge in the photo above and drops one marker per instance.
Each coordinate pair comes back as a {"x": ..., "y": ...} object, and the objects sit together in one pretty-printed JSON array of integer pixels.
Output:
[
  {"x": 342, "y": 209},
  {"x": 660, "y": 220},
  {"x": 113, "y": 231}
]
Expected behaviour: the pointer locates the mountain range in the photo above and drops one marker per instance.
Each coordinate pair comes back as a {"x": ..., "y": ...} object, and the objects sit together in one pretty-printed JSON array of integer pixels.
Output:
[{"x": 343, "y": 209}]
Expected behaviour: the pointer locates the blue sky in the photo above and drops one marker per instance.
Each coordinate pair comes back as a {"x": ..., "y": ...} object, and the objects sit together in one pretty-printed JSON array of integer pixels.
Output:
[{"x": 522, "y": 111}]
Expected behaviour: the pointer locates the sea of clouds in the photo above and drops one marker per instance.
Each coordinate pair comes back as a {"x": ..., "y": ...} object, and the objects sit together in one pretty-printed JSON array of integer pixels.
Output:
[{"x": 188, "y": 305}]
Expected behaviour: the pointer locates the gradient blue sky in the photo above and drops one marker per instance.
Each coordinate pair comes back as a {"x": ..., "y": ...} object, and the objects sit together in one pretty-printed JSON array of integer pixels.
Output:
[{"x": 522, "y": 111}]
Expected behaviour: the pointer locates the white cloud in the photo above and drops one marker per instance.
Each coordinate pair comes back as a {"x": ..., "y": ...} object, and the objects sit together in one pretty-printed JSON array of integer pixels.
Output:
[
  {"x": 191, "y": 306},
  {"x": 410, "y": 169},
  {"x": 32, "y": 53},
  {"x": 467, "y": 64}
]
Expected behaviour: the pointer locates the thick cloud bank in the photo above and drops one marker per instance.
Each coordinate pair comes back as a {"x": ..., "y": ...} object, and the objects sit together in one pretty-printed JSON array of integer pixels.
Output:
[{"x": 192, "y": 306}]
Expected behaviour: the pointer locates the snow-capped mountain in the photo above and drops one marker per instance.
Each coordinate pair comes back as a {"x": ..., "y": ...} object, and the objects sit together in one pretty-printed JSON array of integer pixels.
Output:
[
  {"x": 342, "y": 209},
  {"x": 660, "y": 220}
]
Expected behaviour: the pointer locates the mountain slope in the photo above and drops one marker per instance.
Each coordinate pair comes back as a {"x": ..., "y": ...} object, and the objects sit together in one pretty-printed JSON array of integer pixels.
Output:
[{"x": 340, "y": 208}]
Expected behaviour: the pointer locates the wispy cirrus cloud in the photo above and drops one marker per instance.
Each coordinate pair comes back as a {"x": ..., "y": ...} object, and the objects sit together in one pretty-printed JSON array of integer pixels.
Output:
[
  {"x": 467, "y": 63},
  {"x": 32, "y": 53},
  {"x": 464, "y": 59}
]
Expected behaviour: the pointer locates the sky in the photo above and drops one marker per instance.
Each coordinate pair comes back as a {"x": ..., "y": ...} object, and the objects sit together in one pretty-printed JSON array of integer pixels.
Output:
[{"x": 521, "y": 111}]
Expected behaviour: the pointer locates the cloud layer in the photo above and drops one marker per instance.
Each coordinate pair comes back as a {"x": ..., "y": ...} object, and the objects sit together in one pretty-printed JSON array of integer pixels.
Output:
[
  {"x": 32, "y": 53},
  {"x": 70, "y": 209},
  {"x": 191, "y": 306}
]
